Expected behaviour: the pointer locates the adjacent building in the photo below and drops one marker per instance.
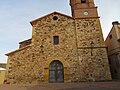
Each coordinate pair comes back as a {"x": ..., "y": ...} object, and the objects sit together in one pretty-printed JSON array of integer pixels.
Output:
[
  {"x": 2, "y": 72},
  {"x": 62, "y": 49},
  {"x": 2, "y": 75},
  {"x": 3, "y": 65},
  {"x": 113, "y": 43}
]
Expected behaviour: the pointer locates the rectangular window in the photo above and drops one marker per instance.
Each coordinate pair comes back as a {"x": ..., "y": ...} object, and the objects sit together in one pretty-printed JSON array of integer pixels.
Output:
[
  {"x": 56, "y": 40},
  {"x": 83, "y": 1}
]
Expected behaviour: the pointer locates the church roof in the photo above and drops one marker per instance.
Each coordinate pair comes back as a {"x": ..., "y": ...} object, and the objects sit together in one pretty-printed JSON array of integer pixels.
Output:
[
  {"x": 17, "y": 50},
  {"x": 32, "y": 22},
  {"x": 25, "y": 41}
]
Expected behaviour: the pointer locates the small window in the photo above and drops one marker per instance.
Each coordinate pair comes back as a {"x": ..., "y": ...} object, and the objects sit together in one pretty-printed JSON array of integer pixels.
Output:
[
  {"x": 110, "y": 36},
  {"x": 56, "y": 40},
  {"x": 83, "y": 1}
]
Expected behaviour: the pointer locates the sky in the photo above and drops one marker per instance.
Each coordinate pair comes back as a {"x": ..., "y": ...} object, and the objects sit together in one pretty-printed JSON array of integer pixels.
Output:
[{"x": 15, "y": 17}]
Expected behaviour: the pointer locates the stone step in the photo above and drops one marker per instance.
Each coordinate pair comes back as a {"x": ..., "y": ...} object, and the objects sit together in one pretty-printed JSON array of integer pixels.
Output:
[{"x": 66, "y": 86}]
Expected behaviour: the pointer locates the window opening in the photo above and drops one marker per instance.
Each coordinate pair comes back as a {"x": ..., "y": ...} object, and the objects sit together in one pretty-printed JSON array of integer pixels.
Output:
[{"x": 56, "y": 40}]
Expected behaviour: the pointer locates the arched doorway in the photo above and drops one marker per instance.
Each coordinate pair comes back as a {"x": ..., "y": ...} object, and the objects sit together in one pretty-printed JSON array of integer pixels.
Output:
[{"x": 56, "y": 72}]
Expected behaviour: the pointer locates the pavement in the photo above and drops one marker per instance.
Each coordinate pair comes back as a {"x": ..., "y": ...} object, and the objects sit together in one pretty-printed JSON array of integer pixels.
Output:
[{"x": 111, "y": 85}]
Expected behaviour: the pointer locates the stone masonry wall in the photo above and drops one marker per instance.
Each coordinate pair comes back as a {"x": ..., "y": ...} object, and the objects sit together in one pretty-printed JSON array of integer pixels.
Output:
[
  {"x": 92, "y": 54},
  {"x": 65, "y": 51},
  {"x": 81, "y": 50},
  {"x": 89, "y": 30},
  {"x": 20, "y": 67},
  {"x": 31, "y": 65}
]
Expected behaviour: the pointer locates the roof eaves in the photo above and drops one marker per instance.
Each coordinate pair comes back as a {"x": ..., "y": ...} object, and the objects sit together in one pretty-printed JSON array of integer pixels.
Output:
[
  {"x": 17, "y": 50},
  {"x": 49, "y": 15}
]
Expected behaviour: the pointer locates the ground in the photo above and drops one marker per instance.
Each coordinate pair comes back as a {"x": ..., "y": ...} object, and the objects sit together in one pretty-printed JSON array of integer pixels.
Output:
[{"x": 111, "y": 85}]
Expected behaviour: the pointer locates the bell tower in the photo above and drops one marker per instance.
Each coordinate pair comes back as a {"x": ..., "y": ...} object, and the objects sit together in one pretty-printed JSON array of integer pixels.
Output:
[
  {"x": 90, "y": 43},
  {"x": 83, "y": 8}
]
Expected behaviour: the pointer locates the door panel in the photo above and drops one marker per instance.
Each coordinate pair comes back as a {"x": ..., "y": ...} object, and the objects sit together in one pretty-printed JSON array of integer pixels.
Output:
[
  {"x": 56, "y": 72},
  {"x": 59, "y": 76},
  {"x": 52, "y": 76}
]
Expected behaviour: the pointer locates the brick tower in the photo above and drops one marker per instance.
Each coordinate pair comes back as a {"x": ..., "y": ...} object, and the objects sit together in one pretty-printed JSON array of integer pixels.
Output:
[{"x": 83, "y": 8}]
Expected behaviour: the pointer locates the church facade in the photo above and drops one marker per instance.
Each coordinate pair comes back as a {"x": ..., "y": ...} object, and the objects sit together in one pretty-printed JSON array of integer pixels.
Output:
[{"x": 62, "y": 49}]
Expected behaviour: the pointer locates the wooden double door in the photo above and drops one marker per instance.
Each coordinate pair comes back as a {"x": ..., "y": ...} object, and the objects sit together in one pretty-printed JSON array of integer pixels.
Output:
[{"x": 56, "y": 72}]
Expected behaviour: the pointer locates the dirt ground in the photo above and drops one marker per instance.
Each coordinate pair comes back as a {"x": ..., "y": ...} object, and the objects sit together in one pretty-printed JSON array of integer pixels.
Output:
[{"x": 111, "y": 85}]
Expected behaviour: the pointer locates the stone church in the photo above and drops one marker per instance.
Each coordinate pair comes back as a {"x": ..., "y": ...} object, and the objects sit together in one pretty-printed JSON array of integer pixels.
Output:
[{"x": 62, "y": 49}]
